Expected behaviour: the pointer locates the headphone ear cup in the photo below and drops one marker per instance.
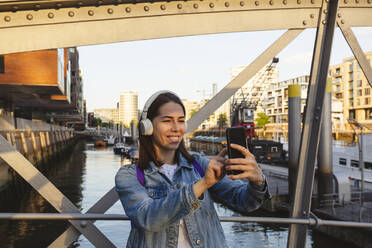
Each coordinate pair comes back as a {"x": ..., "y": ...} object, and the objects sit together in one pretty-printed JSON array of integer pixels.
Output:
[{"x": 146, "y": 127}]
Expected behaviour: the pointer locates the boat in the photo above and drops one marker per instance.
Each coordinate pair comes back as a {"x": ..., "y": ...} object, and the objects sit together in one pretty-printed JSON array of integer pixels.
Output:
[
  {"x": 100, "y": 143},
  {"x": 110, "y": 141},
  {"x": 120, "y": 149}
]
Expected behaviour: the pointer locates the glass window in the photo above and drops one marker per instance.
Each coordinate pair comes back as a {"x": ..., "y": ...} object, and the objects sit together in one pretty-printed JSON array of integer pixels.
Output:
[
  {"x": 342, "y": 161},
  {"x": 359, "y": 83},
  {"x": 366, "y": 101},
  {"x": 359, "y": 92},
  {"x": 2, "y": 66},
  {"x": 354, "y": 163},
  {"x": 248, "y": 115},
  {"x": 367, "y": 165},
  {"x": 367, "y": 91},
  {"x": 358, "y": 102},
  {"x": 369, "y": 114}
]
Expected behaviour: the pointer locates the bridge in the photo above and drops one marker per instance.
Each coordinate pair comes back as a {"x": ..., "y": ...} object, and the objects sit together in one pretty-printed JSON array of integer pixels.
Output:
[{"x": 41, "y": 24}]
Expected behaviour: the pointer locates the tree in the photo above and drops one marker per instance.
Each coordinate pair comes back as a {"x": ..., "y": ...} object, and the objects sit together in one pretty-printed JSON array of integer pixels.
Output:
[
  {"x": 221, "y": 120},
  {"x": 262, "y": 120},
  {"x": 96, "y": 122}
]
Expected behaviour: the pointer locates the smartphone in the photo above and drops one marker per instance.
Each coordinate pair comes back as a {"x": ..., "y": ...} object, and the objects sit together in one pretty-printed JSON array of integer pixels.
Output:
[{"x": 235, "y": 135}]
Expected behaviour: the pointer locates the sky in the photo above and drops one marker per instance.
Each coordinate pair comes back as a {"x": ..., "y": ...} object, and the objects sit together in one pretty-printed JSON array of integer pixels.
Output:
[{"x": 189, "y": 65}]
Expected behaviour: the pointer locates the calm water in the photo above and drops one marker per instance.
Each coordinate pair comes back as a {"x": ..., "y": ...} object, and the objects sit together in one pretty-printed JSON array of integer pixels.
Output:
[{"x": 84, "y": 176}]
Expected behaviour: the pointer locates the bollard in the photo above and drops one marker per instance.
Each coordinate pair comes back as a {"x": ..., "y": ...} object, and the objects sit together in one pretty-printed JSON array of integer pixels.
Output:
[{"x": 294, "y": 135}]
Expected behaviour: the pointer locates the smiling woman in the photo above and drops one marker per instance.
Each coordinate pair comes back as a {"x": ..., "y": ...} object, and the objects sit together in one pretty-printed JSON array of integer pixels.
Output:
[{"x": 168, "y": 194}]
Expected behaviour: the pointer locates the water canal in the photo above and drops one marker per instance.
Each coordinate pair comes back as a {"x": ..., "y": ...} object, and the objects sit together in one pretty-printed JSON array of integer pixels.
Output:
[{"x": 84, "y": 175}]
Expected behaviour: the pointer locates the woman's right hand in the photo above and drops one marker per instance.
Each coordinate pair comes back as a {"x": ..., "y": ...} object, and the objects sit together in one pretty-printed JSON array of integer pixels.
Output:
[{"x": 214, "y": 171}]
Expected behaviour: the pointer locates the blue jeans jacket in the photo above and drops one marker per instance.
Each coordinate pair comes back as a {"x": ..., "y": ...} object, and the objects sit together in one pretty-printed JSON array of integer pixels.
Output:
[{"x": 156, "y": 208}]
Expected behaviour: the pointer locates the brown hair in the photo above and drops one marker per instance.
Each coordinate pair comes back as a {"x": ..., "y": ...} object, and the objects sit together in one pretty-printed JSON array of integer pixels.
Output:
[{"x": 146, "y": 146}]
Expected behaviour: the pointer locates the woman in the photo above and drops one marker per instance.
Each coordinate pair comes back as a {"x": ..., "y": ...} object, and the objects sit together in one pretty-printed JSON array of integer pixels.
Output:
[{"x": 168, "y": 194}]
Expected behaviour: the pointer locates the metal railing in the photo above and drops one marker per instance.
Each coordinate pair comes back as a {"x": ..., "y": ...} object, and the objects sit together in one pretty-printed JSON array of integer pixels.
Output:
[{"x": 313, "y": 221}]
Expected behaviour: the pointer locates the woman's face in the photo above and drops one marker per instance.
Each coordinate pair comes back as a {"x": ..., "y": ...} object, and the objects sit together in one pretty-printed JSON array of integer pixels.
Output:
[{"x": 169, "y": 126}]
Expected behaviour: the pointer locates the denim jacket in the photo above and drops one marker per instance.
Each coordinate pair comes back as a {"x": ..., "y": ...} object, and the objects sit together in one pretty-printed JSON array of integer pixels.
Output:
[{"x": 156, "y": 208}]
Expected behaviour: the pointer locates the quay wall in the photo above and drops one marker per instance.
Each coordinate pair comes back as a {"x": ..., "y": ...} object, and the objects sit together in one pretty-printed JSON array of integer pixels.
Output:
[{"x": 38, "y": 141}]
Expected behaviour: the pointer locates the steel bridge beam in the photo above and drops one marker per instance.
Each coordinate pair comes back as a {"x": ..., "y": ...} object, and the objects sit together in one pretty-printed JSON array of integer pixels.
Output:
[
  {"x": 311, "y": 128},
  {"x": 53, "y": 24}
]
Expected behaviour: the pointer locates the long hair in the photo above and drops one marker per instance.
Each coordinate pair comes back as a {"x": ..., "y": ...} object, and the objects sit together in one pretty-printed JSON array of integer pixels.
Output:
[{"x": 146, "y": 147}]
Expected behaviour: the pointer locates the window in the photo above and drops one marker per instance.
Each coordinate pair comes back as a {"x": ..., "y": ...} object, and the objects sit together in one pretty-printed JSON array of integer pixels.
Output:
[
  {"x": 367, "y": 91},
  {"x": 359, "y": 92},
  {"x": 274, "y": 149},
  {"x": 354, "y": 163},
  {"x": 359, "y": 83},
  {"x": 351, "y": 103},
  {"x": 368, "y": 165},
  {"x": 351, "y": 85},
  {"x": 358, "y": 75},
  {"x": 351, "y": 65},
  {"x": 338, "y": 71},
  {"x": 366, "y": 101},
  {"x": 357, "y": 102},
  {"x": 342, "y": 161},
  {"x": 352, "y": 114},
  {"x": 2, "y": 69},
  {"x": 369, "y": 114}
]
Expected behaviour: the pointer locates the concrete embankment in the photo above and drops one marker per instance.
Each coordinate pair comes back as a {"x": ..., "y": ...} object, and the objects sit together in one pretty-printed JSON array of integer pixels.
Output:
[{"x": 38, "y": 141}]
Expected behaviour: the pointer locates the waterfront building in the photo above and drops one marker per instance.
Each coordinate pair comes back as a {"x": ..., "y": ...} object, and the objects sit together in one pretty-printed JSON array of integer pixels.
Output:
[
  {"x": 128, "y": 107},
  {"x": 351, "y": 87},
  {"x": 107, "y": 114}
]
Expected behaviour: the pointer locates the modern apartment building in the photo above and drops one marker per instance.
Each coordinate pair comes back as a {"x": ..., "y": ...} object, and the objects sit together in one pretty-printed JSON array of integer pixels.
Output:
[
  {"x": 128, "y": 107},
  {"x": 275, "y": 104},
  {"x": 351, "y": 87}
]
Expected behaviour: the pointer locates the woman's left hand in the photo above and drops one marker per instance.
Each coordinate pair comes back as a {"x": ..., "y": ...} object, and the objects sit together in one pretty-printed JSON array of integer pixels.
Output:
[{"x": 247, "y": 165}]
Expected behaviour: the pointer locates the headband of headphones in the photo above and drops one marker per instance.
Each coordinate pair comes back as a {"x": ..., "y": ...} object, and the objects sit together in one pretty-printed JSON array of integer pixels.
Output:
[{"x": 151, "y": 100}]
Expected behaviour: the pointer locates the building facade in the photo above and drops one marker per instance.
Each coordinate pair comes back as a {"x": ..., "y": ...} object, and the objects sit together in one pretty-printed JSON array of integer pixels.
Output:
[
  {"x": 128, "y": 107},
  {"x": 107, "y": 114},
  {"x": 351, "y": 87}
]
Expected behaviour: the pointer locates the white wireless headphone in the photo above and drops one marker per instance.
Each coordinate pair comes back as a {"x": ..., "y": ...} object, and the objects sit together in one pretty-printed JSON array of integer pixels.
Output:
[{"x": 145, "y": 124}]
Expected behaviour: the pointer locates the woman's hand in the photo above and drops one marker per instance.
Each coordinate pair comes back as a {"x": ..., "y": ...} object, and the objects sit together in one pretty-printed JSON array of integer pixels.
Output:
[
  {"x": 213, "y": 174},
  {"x": 248, "y": 165}
]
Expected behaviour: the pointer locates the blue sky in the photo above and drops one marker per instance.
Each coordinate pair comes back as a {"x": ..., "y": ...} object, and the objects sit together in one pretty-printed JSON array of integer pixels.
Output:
[{"x": 187, "y": 64}]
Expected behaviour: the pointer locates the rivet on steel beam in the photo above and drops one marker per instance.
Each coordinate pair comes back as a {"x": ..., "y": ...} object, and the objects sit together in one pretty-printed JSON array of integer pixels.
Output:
[
  {"x": 368, "y": 1},
  {"x": 324, "y": 22},
  {"x": 162, "y": 7},
  {"x": 59, "y": 5},
  {"x": 338, "y": 15},
  {"x": 110, "y": 11},
  {"x": 211, "y": 5},
  {"x": 29, "y": 17},
  {"x": 227, "y": 4},
  {"x": 342, "y": 22},
  {"x": 90, "y": 12},
  {"x": 50, "y": 15},
  {"x": 326, "y": 1},
  {"x": 299, "y": 1},
  {"x": 284, "y": 2},
  {"x": 304, "y": 23},
  {"x": 146, "y": 8},
  {"x": 100, "y": 2},
  {"x": 271, "y": 2},
  {"x": 325, "y": 11},
  {"x": 80, "y": 3},
  {"x": 241, "y": 3},
  {"x": 356, "y": 1},
  {"x": 257, "y": 3},
  {"x": 179, "y": 6},
  {"x": 83, "y": 223},
  {"x": 195, "y": 6},
  {"x": 71, "y": 14},
  {"x": 15, "y": 8},
  {"x": 128, "y": 10},
  {"x": 345, "y": 1},
  {"x": 7, "y": 18},
  {"x": 312, "y": 1},
  {"x": 312, "y": 16}
]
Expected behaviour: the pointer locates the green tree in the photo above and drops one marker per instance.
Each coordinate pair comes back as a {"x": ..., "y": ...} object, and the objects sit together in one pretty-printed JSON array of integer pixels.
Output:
[
  {"x": 221, "y": 120},
  {"x": 96, "y": 122},
  {"x": 262, "y": 120}
]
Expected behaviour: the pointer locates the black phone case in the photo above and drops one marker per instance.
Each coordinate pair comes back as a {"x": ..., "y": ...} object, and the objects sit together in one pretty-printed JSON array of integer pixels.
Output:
[{"x": 235, "y": 135}]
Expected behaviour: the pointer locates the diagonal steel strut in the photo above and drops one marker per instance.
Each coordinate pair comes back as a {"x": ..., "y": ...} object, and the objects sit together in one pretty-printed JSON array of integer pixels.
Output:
[
  {"x": 50, "y": 193},
  {"x": 243, "y": 77}
]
